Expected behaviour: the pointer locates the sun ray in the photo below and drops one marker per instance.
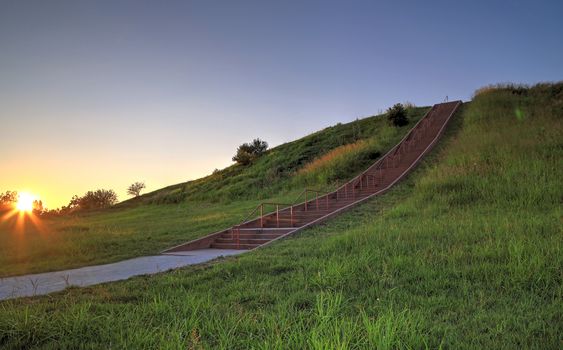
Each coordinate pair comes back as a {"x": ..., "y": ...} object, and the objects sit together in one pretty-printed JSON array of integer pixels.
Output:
[{"x": 23, "y": 214}]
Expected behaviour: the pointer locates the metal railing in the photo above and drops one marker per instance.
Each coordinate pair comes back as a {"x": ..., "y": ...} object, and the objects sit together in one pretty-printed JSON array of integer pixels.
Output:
[
  {"x": 316, "y": 198},
  {"x": 373, "y": 174},
  {"x": 235, "y": 230},
  {"x": 394, "y": 156},
  {"x": 261, "y": 206}
]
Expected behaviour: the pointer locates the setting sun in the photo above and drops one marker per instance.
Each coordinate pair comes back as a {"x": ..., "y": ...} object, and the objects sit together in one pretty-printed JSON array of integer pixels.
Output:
[{"x": 25, "y": 202}]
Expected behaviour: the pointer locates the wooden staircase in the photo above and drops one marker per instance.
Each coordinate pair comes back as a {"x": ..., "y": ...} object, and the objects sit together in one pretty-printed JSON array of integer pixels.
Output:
[{"x": 263, "y": 226}]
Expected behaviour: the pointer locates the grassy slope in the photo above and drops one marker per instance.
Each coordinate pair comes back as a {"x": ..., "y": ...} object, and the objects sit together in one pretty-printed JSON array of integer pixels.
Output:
[
  {"x": 466, "y": 253},
  {"x": 189, "y": 210}
]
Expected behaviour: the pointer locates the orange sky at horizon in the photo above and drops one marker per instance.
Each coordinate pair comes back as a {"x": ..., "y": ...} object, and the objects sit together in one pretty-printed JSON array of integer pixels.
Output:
[{"x": 56, "y": 180}]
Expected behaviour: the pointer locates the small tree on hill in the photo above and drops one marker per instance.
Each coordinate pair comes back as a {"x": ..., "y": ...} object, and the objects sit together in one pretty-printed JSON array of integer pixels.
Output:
[
  {"x": 397, "y": 115},
  {"x": 135, "y": 189},
  {"x": 248, "y": 152}
]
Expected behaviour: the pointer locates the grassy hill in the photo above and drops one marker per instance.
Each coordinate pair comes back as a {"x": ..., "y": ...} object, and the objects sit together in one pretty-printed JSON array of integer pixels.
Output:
[
  {"x": 186, "y": 211},
  {"x": 466, "y": 253},
  {"x": 323, "y": 159}
]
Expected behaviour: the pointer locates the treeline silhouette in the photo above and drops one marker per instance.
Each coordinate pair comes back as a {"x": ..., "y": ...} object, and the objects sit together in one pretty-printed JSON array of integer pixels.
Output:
[
  {"x": 98, "y": 199},
  {"x": 9, "y": 199}
]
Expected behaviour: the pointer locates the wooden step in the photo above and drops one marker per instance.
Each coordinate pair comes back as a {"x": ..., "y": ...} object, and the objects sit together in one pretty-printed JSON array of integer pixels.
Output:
[
  {"x": 233, "y": 246},
  {"x": 258, "y": 241},
  {"x": 243, "y": 235}
]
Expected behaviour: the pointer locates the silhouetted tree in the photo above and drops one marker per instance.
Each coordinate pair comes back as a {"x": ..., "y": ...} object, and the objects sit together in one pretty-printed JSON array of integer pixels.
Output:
[
  {"x": 135, "y": 189},
  {"x": 8, "y": 199},
  {"x": 38, "y": 207},
  {"x": 248, "y": 152},
  {"x": 73, "y": 204},
  {"x": 397, "y": 115},
  {"x": 92, "y": 200}
]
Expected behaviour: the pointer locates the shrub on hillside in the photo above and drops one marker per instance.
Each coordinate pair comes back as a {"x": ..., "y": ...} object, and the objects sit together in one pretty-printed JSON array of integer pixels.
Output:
[
  {"x": 98, "y": 199},
  {"x": 398, "y": 115},
  {"x": 248, "y": 152}
]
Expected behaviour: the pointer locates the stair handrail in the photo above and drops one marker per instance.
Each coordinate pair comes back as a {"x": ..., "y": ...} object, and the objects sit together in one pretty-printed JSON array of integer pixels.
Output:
[
  {"x": 283, "y": 206},
  {"x": 306, "y": 203},
  {"x": 262, "y": 214},
  {"x": 353, "y": 182},
  {"x": 379, "y": 162},
  {"x": 395, "y": 152},
  {"x": 261, "y": 206}
]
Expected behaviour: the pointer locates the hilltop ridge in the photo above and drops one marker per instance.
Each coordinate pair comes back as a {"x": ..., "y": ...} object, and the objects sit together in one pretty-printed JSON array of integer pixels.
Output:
[{"x": 292, "y": 164}]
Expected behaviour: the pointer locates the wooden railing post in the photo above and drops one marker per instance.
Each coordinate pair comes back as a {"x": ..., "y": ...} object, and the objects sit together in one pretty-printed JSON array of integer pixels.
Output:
[
  {"x": 278, "y": 215},
  {"x": 262, "y": 215},
  {"x": 291, "y": 211}
]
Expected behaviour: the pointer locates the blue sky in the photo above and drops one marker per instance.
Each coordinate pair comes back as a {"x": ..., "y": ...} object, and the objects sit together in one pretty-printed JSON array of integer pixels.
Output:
[{"x": 98, "y": 94}]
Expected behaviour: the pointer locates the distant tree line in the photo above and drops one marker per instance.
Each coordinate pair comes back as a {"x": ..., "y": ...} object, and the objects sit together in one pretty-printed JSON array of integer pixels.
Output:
[
  {"x": 9, "y": 199},
  {"x": 98, "y": 199},
  {"x": 91, "y": 200}
]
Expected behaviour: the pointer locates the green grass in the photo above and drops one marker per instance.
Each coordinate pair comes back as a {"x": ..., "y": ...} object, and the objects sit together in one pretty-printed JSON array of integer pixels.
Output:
[
  {"x": 66, "y": 242},
  {"x": 278, "y": 171},
  {"x": 186, "y": 211},
  {"x": 463, "y": 254}
]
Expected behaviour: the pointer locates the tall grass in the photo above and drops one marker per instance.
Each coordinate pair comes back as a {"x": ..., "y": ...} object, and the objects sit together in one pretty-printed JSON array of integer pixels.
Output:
[
  {"x": 461, "y": 255},
  {"x": 330, "y": 167}
]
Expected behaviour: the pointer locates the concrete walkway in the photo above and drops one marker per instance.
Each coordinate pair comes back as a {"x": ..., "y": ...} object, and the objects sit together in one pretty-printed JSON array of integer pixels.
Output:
[{"x": 44, "y": 283}]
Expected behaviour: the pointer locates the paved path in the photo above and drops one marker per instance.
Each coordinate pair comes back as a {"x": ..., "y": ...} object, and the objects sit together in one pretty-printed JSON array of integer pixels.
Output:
[{"x": 44, "y": 283}]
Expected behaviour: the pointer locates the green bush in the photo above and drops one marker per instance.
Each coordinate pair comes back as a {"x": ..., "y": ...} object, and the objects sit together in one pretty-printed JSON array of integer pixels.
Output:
[
  {"x": 248, "y": 152},
  {"x": 398, "y": 115}
]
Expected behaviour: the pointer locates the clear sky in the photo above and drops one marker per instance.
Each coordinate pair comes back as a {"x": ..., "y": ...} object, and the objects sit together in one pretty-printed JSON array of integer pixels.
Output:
[{"x": 99, "y": 94}]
